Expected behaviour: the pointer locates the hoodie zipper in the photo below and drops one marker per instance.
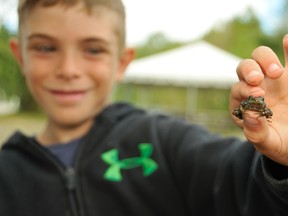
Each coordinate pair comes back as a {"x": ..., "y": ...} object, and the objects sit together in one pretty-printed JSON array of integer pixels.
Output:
[
  {"x": 71, "y": 188},
  {"x": 70, "y": 172},
  {"x": 69, "y": 175}
]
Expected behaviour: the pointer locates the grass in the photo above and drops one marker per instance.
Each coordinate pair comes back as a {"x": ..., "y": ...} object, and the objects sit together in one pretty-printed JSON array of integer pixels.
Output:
[{"x": 27, "y": 123}]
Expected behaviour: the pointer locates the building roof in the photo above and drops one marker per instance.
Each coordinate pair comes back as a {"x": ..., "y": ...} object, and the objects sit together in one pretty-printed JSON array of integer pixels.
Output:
[{"x": 199, "y": 64}]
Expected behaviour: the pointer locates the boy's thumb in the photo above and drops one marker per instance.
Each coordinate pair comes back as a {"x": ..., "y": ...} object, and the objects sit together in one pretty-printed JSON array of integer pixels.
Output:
[{"x": 255, "y": 128}]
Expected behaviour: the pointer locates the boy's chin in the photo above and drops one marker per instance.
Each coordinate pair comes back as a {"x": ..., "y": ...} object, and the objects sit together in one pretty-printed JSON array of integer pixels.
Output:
[
  {"x": 72, "y": 116},
  {"x": 71, "y": 121}
]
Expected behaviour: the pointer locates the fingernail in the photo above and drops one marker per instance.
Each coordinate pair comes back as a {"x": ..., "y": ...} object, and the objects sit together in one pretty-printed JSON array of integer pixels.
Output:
[
  {"x": 273, "y": 67},
  {"x": 252, "y": 74},
  {"x": 251, "y": 122}
]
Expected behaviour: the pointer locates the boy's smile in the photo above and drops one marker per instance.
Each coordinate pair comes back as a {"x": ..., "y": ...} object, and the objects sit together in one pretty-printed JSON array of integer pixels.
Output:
[
  {"x": 71, "y": 61},
  {"x": 70, "y": 97}
]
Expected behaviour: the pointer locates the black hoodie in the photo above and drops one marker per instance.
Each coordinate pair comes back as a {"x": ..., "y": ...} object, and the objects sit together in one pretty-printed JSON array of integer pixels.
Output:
[{"x": 134, "y": 163}]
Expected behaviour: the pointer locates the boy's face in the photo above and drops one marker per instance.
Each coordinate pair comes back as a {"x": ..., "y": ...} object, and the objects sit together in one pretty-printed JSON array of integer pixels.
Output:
[{"x": 70, "y": 60}]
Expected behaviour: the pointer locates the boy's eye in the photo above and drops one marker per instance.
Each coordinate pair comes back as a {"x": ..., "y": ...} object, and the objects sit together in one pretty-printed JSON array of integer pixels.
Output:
[
  {"x": 44, "y": 48},
  {"x": 94, "y": 51}
]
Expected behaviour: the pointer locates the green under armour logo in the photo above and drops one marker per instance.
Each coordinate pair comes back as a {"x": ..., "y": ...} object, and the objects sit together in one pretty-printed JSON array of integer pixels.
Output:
[{"x": 113, "y": 173}]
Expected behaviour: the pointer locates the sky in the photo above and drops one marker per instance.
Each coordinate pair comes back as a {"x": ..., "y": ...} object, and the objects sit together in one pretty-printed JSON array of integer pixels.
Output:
[
  {"x": 189, "y": 19},
  {"x": 181, "y": 20}
]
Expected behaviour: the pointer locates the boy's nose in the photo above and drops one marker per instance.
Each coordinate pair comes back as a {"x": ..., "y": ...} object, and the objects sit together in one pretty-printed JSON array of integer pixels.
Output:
[{"x": 68, "y": 66}]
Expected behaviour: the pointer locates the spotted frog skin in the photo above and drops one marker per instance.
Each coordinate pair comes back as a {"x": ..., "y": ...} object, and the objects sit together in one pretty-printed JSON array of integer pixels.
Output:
[{"x": 256, "y": 104}]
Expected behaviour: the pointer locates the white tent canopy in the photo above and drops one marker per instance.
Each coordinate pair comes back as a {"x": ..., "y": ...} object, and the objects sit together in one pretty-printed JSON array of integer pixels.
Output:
[{"x": 199, "y": 64}]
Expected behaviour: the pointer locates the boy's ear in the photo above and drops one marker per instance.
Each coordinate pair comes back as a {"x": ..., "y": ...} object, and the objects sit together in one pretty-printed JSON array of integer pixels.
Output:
[
  {"x": 126, "y": 58},
  {"x": 16, "y": 50}
]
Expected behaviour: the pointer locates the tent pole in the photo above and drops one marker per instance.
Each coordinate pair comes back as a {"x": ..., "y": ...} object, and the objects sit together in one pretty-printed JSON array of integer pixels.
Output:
[{"x": 191, "y": 102}]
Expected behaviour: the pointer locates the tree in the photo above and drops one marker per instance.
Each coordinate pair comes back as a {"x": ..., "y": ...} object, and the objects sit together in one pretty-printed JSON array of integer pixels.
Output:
[
  {"x": 238, "y": 36},
  {"x": 11, "y": 80},
  {"x": 243, "y": 34},
  {"x": 156, "y": 43}
]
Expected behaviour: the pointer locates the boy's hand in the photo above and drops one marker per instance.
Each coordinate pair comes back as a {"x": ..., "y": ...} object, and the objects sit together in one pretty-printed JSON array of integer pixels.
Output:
[{"x": 263, "y": 75}]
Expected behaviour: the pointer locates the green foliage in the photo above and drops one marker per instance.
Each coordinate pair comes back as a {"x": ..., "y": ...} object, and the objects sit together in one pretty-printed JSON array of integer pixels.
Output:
[
  {"x": 11, "y": 80},
  {"x": 156, "y": 43},
  {"x": 239, "y": 36},
  {"x": 243, "y": 34}
]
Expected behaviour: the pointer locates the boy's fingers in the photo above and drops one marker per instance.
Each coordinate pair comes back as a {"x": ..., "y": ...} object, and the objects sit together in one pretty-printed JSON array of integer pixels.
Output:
[
  {"x": 265, "y": 139},
  {"x": 268, "y": 61},
  {"x": 241, "y": 90},
  {"x": 255, "y": 128},
  {"x": 249, "y": 71}
]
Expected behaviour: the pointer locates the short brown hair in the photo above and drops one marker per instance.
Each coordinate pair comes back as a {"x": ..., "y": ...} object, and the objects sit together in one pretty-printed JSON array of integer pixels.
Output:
[{"x": 115, "y": 5}]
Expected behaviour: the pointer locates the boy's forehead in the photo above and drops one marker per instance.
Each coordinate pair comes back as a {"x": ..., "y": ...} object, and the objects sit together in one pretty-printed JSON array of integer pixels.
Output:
[
  {"x": 58, "y": 14},
  {"x": 101, "y": 10},
  {"x": 25, "y": 7},
  {"x": 79, "y": 7}
]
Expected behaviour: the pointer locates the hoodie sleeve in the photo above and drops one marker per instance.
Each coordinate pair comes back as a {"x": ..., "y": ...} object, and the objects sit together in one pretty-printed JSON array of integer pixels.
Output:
[{"x": 223, "y": 176}]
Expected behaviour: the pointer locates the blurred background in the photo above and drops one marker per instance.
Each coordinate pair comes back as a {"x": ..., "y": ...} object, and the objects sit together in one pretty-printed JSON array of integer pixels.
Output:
[{"x": 187, "y": 53}]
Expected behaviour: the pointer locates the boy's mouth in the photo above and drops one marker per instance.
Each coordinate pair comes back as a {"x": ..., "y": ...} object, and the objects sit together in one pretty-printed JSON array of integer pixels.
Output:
[{"x": 68, "y": 97}]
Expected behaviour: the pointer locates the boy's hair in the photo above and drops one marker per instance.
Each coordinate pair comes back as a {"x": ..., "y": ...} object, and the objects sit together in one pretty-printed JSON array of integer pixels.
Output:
[{"x": 25, "y": 6}]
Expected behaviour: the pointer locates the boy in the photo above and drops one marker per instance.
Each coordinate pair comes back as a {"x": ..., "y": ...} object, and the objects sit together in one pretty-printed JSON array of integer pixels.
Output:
[{"x": 93, "y": 158}]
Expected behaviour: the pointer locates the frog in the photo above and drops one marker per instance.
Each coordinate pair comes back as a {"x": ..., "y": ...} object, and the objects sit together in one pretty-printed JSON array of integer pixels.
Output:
[{"x": 256, "y": 104}]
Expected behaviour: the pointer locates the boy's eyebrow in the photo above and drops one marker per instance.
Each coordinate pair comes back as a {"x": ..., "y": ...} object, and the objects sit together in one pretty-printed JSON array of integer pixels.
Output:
[
  {"x": 41, "y": 36},
  {"x": 85, "y": 40},
  {"x": 95, "y": 40}
]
